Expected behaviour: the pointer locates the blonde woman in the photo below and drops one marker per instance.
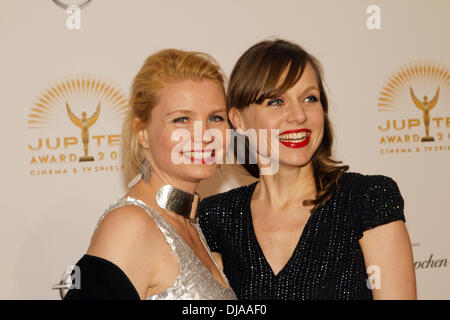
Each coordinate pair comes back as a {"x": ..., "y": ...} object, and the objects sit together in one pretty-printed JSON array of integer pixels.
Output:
[{"x": 148, "y": 244}]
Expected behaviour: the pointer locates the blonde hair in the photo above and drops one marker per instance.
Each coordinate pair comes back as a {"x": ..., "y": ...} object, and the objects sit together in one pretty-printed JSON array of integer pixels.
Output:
[{"x": 160, "y": 69}]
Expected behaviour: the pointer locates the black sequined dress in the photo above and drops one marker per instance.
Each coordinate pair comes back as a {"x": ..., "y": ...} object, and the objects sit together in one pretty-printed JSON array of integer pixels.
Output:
[{"x": 327, "y": 262}]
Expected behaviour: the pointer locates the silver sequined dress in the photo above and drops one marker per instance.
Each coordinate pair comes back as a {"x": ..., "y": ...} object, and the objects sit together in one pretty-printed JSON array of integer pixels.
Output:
[{"x": 195, "y": 281}]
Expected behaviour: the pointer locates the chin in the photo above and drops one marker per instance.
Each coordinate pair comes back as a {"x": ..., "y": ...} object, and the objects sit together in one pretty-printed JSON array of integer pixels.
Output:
[
  {"x": 197, "y": 173},
  {"x": 298, "y": 161}
]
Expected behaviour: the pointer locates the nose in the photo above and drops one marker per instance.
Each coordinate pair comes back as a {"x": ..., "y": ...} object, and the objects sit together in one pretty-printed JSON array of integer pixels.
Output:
[
  {"x": 296, "y": 113},
  {"x": 199, "y": 129},
  {"x": 201, "y": 135}
]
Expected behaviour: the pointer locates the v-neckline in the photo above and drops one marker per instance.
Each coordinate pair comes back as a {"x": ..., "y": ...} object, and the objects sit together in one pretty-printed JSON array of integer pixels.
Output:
[{"x": 255, "y": 238}]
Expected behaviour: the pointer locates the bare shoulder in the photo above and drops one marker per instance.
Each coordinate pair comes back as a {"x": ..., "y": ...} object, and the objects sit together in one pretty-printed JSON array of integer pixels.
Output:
[
  {"x": 125, "y": 228},
  {"x": 128, "y": 237}
]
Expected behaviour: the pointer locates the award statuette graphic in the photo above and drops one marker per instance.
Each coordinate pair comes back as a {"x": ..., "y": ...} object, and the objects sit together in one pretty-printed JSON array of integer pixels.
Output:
[
  {"x": 425, "y": 106},
  {"x": 84, "y": 123}
]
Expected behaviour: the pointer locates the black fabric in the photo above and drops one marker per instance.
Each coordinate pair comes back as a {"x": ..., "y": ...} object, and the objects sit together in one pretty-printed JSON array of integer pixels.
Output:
[
  {"x": 327, "y": 262},
  {"x": 102, "y": 280}
]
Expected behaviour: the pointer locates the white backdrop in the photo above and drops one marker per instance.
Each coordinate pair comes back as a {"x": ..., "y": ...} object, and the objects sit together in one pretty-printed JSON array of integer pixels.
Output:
[{"x": 49, "y": 216}]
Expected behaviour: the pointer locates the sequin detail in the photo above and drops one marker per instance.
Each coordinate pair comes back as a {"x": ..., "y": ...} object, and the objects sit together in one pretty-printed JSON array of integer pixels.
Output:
[
  {"x": 327, "y": 262},
  {"x": 195, "y": 281}
]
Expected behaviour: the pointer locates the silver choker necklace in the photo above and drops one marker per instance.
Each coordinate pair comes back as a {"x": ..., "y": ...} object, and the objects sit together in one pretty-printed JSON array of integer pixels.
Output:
[
  {"x": 169, "y": 197},
  {"x": 178, "y": 201}
]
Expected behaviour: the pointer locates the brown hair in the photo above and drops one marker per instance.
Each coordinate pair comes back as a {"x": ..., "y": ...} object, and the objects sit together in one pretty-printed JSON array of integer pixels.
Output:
[
  {"x": 255, "y": 78},
  {"x": 159, "y": 69}
]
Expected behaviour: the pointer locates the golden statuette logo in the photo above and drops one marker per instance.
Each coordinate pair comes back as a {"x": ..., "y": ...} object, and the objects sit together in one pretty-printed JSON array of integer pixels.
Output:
[
  {"x": 402, "y": 128},
  {"x": 425, "y": 106},
  {"x": 84, "y": 123},
  {"x": 63, "y": 108}
]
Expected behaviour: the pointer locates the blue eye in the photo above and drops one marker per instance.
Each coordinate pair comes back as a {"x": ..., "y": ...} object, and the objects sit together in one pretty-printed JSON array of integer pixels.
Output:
[
  {"x": 275, "y": 102},
  {"x": 312, "y": 99},
  {"x": 181, "y": 120},
  {"x": 216, "y": 119}
]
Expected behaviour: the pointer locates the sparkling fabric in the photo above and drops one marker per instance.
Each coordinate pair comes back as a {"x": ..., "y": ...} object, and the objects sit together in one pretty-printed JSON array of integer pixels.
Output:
[
  {"x": 327, "y": 262},
  {"x": 195, "y": 281}
]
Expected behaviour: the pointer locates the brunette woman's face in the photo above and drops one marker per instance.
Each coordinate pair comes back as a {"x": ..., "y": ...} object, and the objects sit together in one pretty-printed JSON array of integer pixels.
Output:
[
  {"x": 180, "y": 105},
  {"x": 297, "y": 114}
]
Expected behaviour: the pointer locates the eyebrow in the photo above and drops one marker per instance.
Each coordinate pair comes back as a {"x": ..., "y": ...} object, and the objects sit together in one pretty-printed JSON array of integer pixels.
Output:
[
  {"x": 188, "y": 111},
  {"x": 218, "y": 110},
  {"x": 179, "y": 111},
  {"x": 311, "y": 87}
]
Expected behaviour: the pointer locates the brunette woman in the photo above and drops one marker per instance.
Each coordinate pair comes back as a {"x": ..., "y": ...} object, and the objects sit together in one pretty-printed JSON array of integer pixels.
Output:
[{"x": 311, "y": 230}]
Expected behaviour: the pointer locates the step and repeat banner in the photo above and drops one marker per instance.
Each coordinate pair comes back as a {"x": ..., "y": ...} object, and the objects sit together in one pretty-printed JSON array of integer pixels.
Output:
[{"x": 65, "y": 77}]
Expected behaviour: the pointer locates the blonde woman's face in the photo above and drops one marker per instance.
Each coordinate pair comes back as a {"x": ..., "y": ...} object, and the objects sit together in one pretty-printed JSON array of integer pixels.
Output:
[{"x": 185, "y": 128}]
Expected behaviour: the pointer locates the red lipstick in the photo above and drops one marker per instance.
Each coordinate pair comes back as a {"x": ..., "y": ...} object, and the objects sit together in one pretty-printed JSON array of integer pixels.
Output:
[
  {"x": 209, "y": 160},
  {"x": 291, "y": 144}
]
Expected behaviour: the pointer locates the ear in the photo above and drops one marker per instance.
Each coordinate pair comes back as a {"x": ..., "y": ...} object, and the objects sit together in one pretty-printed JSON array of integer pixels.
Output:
[
  {"x": 140, "y": 131},
  {"x": 236, "y": 119}
]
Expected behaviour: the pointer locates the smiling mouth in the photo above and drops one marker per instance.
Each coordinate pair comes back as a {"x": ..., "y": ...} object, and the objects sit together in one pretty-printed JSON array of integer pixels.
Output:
[
  {"x": 295, "y": 138},
  {"x": 204, "y": 156}
]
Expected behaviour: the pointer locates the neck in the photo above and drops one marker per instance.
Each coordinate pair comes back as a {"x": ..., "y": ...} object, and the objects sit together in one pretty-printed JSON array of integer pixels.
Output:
[
  {"x": 148, "y": 192},
  {"x": 289, "y": 185},
  {"x": 159, "y": 179}
]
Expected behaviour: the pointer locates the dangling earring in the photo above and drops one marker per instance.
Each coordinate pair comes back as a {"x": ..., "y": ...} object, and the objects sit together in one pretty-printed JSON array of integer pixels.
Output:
[{"x": 145, "y": 169}]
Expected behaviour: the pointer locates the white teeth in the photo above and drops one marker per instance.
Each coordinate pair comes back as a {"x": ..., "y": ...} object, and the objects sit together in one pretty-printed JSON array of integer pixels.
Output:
[
  {"x": 293, "y": 140},
  {"x": 207, "y": 154},
  {"x": 295, "y": 137},
  {"x": 198, "y": 155}
]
